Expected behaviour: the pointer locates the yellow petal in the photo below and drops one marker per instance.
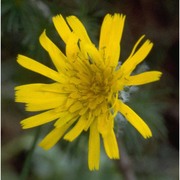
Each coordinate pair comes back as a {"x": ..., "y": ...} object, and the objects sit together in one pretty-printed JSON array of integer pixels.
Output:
[
  {"x": 45, "y": 104},
  {"x": 134, "y": 119},
  {"x": 111, "y": 146},
  {"x": 92, "y": 54},
  {"x": 69, "y": 102},
  {"x": 56, "y": 55},
  {"x": 65, "y": 117},
  {"x": 54, "y": 136},
  {"x": 91, "y": 118},
  {"x": 75, "y": 80},
  {"x": 135, "y": 58},
  {"x": 110, "y": 37},
  {"x": 94, "y": 147},
  {"x": 83, "y": 110},
  {"x": 54, "y": 87},
  {"x": 33, "y": 93},
  {"x": 78, "y": 28},
  {"x": 105, "y": 123},
  {"x": 143, "y": 78},
  {"x": 77, "y": 129},
  {"x": 62, "y": 27},
  {"x": 38, "y": 67},
  {"x": 76, "y": 106},
  {"x": 105, "y": 31},
  {"x": 72, "y": 49},
  {"x": 40, "y": 97},
  {"x": 40, "y": 119},
  {"x": 42, "y": 106}
]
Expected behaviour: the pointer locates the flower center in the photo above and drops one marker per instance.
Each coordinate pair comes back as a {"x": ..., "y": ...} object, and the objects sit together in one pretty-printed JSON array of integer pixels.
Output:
[
  {"x": 99, "y": 84},
  {"x": 93, "y": 87}
]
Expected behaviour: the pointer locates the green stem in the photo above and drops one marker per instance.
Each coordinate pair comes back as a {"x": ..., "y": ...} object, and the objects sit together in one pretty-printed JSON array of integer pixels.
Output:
[{"x": 25, "y": 171}]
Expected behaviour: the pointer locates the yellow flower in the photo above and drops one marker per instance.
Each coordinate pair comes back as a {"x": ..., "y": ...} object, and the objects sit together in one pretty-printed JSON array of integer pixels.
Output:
[{"x": 87, "y": 81}]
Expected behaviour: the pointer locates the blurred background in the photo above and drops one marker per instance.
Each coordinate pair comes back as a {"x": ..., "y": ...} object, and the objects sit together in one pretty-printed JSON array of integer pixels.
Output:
[{"x": 155, "y": 159}]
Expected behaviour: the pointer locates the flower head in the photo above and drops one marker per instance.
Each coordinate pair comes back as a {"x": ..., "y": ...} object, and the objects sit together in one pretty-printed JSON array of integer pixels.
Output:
[{"x": 87, "y": 81}]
